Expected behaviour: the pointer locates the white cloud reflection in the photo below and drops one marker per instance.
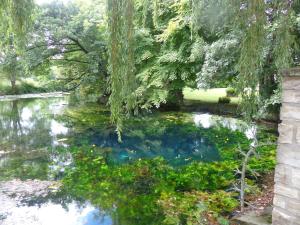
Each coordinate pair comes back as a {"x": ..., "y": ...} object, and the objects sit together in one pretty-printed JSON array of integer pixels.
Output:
[
  {"x": 206, "y": 120},
  {"x": 49, "y": 214}
]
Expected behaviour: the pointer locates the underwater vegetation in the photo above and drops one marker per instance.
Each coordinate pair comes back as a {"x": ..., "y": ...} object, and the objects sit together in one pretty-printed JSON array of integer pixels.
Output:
[{"x": 158, "y": 188}]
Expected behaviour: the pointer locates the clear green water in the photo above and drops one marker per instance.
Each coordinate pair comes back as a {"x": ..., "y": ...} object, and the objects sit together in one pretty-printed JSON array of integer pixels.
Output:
[{"x": 37, "y": 137}]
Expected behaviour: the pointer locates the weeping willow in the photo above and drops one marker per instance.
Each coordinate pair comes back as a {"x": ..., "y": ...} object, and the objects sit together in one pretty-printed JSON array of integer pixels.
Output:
[
  {"x": 17, "y": 14},
  {"x": 285, "y": 40},
  {"x": 252, "y": 52},
  {"x": 156, "y": 4},
  {"x": 146, "y": 7},
  {"x": 121, "y": 60},
  {"x": 250, "y": 18},
  {"x": 150, "y": 10}
]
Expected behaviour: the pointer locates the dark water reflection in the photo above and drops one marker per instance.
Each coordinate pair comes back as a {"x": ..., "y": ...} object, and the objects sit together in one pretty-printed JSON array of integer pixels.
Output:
[{"x": 32, "y": 130}]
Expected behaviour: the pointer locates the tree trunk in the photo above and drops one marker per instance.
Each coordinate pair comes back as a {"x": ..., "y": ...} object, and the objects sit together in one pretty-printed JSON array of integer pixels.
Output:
[
  {"x": 13, "y": 84},
  {"x": 175, "y": 98}
]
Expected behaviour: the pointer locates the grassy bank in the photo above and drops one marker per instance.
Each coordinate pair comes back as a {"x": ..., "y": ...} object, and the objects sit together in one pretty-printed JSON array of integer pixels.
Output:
[
  {"x": 211, "y": 96},
  {"x": 24, "y": 87}
]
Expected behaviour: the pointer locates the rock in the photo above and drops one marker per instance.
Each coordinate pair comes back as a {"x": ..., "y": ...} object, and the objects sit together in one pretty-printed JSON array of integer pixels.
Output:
[{"x": 251, "y": 218}]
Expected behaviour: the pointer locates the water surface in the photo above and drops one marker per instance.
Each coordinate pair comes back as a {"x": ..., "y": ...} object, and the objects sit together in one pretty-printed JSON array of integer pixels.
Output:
[{"x": 35, "y": 135}]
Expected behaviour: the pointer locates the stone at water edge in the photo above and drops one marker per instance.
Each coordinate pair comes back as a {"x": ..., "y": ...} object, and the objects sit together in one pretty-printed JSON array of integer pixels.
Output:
[{"x": 251, "y": 218}]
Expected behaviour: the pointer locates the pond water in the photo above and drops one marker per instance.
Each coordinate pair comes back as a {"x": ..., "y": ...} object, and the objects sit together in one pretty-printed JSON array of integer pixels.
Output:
[{"x": 37, "y": 141}]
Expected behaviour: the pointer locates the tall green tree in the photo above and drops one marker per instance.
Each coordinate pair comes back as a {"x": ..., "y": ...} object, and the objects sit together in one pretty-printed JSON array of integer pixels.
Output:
[
  {"x": 70, "y": 39},
  {"x": 11, "y": 66},
  {"x": 15, "y": 16}
]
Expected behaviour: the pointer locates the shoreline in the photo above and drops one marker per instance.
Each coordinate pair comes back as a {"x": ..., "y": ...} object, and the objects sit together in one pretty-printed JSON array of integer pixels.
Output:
[{"x": 58, "y": 94}]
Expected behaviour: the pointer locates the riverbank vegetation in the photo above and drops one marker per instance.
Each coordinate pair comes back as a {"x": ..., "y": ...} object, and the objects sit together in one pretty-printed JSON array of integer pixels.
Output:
[{"x": 124, "y": 60}]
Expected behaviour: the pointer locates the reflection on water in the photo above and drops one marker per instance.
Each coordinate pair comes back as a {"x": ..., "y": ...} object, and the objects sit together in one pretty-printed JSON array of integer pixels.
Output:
[
  {"x": 29, "y": 124},
  {"x": 28, "y": 128},
  {"x": 206, "y": 120},
  {"x": 50, "y": 213},
  {"x": 30, "y": 132}
]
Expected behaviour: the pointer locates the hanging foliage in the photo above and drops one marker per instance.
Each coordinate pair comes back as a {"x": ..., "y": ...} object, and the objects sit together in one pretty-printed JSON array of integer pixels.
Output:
[
  {"x": 156, "y": 12},
  {"x": 17, "y": 14},
  {"x": 257, "y": 18},
  {"x": 121, "y": 60},
  {"x": 285, "y": 40},
  {"x": 252, "y": 53}
]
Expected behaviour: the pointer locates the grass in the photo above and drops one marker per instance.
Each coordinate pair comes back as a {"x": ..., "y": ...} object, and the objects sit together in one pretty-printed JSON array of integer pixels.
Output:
[
  {"x": 208, "y": 96},
  {"x": 23, "y": 87}
]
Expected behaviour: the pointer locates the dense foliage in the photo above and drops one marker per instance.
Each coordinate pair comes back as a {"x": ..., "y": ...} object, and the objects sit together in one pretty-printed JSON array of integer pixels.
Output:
[
  {"x": 142, "y": 53},
  {"x": 189, "y": 43},
  {"x": 15, "y": 16}
]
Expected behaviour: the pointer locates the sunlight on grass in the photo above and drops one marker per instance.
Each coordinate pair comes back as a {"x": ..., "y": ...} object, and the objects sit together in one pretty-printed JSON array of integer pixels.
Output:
[{"x": 207, "y": 96}]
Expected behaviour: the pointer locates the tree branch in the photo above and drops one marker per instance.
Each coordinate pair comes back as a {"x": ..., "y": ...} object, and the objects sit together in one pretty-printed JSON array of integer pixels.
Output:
[
  {"x": 76, "y": 41},
  {"x": 71, "y": 60}
]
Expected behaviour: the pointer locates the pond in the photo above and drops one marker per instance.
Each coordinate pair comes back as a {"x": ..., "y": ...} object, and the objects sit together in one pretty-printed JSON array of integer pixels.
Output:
[{"x": 63, "y": 164}]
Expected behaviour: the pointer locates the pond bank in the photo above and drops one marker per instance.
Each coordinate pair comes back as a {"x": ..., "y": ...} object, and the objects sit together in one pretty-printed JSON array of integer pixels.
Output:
[
  {"x": 259, "y": 210},
  {"x": 39, "y": 95}
]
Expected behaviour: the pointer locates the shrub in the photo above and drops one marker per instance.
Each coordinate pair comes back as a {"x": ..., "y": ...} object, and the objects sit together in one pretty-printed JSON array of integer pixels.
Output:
[
  {"x": 224, "y": 100},
  {"x": 231, "y": 92}
]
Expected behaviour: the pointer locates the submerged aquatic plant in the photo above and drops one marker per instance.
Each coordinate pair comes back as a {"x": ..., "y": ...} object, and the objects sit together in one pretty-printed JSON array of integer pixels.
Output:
[{"x": 157, "y": 190}]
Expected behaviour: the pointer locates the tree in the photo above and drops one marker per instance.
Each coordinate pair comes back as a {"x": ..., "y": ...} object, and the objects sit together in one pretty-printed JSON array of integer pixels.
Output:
[
  {"x": 17, "y": 14},
  {"x": 11, "y": 67},
  {"x": 121, "y": 59},
  {"x": 70, "y": 38}
]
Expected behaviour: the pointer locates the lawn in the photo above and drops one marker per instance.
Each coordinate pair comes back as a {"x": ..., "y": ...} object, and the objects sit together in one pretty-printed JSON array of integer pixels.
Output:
[
  {"x": 25, "y": 86},
  {"x": 208, "y": 96}
]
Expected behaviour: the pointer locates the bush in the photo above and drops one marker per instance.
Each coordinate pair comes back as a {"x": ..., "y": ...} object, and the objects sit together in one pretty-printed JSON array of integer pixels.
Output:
[
  {"x": 28, "y": 88},
  {"x": 224, "y": 100},
  {"x": 231, "y": 92}
]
